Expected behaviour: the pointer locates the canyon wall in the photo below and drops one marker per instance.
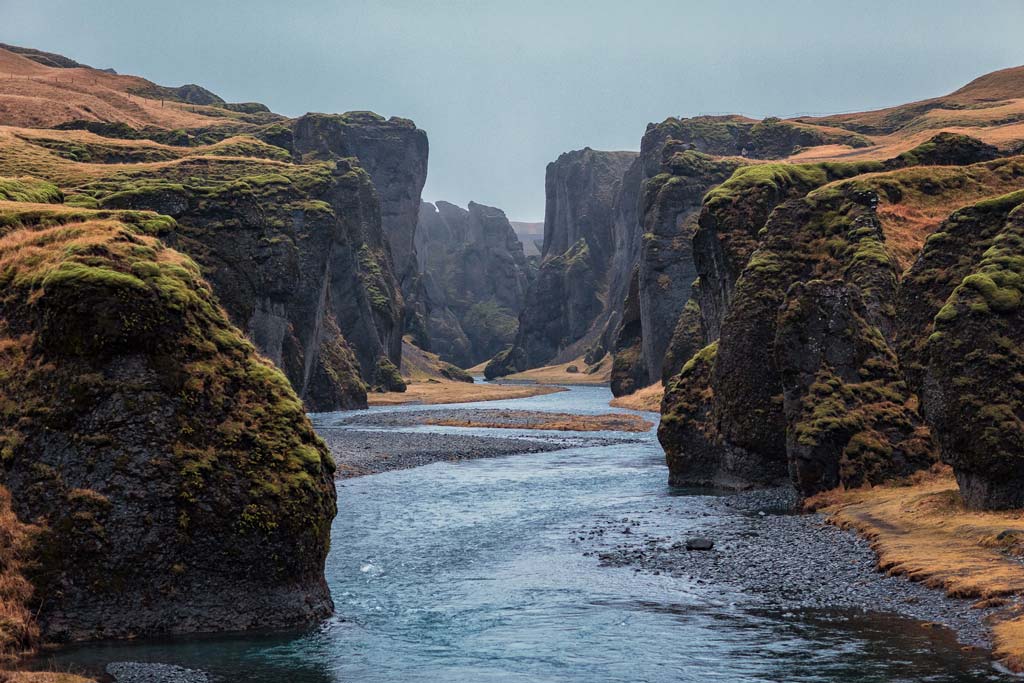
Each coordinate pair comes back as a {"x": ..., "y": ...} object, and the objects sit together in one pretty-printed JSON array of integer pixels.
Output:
[
  {"x": 820, "y": 294},
  {"x": 176, "y": 485},
  {"x": 562, "y": 317},
  {"x": 476, "y": 278}
]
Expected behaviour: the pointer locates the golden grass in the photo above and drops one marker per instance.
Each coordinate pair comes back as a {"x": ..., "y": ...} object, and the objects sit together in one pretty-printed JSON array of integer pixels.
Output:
[
  {"x": 648, "y": 398},
  {"x": 19, "y": 155},
  {"x": 419, "y": 365},
  {"x": 565, "y": 422},
  {"x": 920, "y": 529},
  {"x": 19, "y": 634},
  {"x": 436, "y": 392},
  {"x": 39, "y": 96},
  {"x": 478, "y": 369},
  {"x": 557, "y": 374},
  {"x": 41, "y": 677}
]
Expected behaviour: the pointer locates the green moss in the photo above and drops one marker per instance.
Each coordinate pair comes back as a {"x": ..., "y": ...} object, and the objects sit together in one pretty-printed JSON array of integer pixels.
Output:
[
  {"x": 29, "y": 190},
  {"x": 387, "y": 377}
]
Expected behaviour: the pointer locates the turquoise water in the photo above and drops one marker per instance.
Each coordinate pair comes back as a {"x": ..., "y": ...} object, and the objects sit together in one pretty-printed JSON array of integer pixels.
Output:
[{"x": 467, "y": 572}]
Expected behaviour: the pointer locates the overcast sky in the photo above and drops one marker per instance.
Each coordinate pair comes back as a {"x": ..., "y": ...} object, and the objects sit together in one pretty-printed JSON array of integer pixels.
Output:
[{"x": 502, "y": 88}]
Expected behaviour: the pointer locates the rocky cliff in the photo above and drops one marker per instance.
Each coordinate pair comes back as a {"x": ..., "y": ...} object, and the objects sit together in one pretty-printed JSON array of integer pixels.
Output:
[
  {"x": 177, "y": 485},
  {"x": 298, "y": 237},
  {"x": 563, "y": 312},
  {"x": 476, "y": 277},
  {"x": 394, "y": 152},
  {"x": 818, "y": 287}
]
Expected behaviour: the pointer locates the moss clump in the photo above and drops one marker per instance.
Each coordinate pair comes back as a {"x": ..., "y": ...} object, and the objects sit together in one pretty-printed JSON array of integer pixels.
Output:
[
  {"x": 974, "y": 379},
  {"x": 29, "y": 190},
  {"x": 387, "y": 377}
]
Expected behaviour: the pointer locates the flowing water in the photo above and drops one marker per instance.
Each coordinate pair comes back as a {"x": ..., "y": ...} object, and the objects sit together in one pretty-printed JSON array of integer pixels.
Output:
[{"x": 468, "y": 572}]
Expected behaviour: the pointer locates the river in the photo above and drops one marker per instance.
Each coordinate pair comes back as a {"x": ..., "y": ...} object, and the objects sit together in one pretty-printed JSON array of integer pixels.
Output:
[{"x": 474, "y": 572}]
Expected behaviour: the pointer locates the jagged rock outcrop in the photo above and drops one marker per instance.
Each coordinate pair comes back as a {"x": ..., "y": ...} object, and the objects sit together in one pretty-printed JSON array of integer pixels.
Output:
[
  {"x": 849, "y": 419},
  {"x": 671, "y": 204},
  {"x": 561, "y": 316},
  {"x": 176, "y": 485},
  {"x": 394, "y": 152},
  {"x": 973, "y": 363},
  {"x": 290, "y": 234},
  {"x": 814, "y": 331},
  {"x": 476, "y": 277}
]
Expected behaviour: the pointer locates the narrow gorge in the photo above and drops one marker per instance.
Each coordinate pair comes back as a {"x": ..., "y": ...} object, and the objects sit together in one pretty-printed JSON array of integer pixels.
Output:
[{"x": 747, "y": 405}]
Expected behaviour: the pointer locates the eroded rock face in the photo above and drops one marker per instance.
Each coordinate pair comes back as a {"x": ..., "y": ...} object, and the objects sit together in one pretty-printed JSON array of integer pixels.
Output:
[
  {"x": 299, "y": 254},
  {"x": 824, "y": 344},
  {"x": 394, "y": 152},
  {"x": 972, "y": 391},
  {"x": 476, "y": 278},
  {"x": 177, "y": 485},
  {"x": 563, "y": 312},
  {"x": 299, "y": 263},
  {"x": 846, "y": 405},
  {"x": 671, "y": 204}
]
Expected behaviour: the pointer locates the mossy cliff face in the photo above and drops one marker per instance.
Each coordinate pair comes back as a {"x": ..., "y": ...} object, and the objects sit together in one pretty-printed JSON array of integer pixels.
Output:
[
  {"x": 973, "y": 387},
  {"x": 158, "y": 393},
  {"x": 295, "y": 258},
  {"x": 563, "y": 312},
  {"x": 394, "y": 152},
  {"x": 822, "y": 341},
  {"x": 296, "y": 252},
  {"x": 771, "y": 138},
  {"x": 476, "y": 277},
  {"x": 850, "y": 419},
  {"x": 670, "y": 205}
]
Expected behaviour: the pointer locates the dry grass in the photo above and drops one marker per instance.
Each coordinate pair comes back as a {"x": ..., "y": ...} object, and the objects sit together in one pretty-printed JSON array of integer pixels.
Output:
[
  {"x": 19, "y": 634},
  {"x": 921, "y": 530},
  {"x": 41, "y": 677},
  {"x": 557, "y": 374},
  {"x": 436, "y": 392},
  {"x": 564, "y": 422},
  {"x": 39, "y": 96},
  {"x": 419, "y": 365},
  {"x": 648, "y": 398}
]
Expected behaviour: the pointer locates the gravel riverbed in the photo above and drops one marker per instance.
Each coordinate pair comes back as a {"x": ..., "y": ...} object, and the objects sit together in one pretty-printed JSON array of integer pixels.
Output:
[
  {"x": 777, "y": 559},
  {"x": 359, "y": 452}
]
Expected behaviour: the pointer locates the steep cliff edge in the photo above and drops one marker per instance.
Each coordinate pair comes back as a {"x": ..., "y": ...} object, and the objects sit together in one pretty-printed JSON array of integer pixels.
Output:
[
  {"x": 177, "y": 486},
  {"x": 394, "y": 152},
  {"x": 294, "y": 222},
  {"x": 815, "y": 330},
  {"x": 476, "y": 277},
  {"x": 563, "y": 311}
]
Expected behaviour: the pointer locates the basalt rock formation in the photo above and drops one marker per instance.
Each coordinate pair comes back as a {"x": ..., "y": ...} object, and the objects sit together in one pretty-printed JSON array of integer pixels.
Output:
[
  {"x": 476, "y": 277},
  {"x": 176, "y": 485},
  {"x": 294, "y": 222},
  {"x": 180, "y": 280},
  {"x": 563, "y": 312},
  {"x": 969, "y": 367},
  {"x": 394, "y": 152},
  {"x": 819, "y": 285}
]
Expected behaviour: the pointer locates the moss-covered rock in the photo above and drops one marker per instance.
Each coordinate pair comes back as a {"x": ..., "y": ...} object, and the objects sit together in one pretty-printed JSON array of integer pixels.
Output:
[
  {"x": 159, "y": 393},
  {"x": 973, "y": 393},
  {"x": 476, "y": 277},
  {"x": 850, "y": 418},
  {"x": 388, "y": 378}
]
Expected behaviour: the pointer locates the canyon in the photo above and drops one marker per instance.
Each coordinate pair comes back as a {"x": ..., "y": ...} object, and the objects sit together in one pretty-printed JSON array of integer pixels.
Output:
[{"x": 832, "y": 305}]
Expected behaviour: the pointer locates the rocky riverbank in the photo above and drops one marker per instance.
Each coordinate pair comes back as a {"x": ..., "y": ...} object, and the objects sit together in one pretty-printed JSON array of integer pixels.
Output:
[{"x": 778, "y": 559}]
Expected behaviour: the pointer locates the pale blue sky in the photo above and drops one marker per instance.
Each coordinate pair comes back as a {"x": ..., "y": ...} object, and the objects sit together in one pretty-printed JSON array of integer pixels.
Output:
[{"x": 504, "y": 87}]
